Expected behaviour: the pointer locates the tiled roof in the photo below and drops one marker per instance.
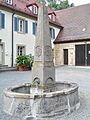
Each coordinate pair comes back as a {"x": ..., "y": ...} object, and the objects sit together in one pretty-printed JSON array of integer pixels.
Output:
[
  {"x": 21, "y": 6},
  {"x": 76, "y": 23}
]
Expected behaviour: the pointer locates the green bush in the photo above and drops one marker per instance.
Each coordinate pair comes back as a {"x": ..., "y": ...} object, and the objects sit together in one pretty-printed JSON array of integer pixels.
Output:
[{"x": 25, "y": 61}]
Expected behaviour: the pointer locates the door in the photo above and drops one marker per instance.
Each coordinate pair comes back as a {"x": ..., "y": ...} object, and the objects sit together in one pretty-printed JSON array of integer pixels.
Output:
[
  {"x": 65, "y": 56},
  {"x": 80, "y": 55},
  {"x": 1, "y": 53},
  {"x": 88, "y": 54}
]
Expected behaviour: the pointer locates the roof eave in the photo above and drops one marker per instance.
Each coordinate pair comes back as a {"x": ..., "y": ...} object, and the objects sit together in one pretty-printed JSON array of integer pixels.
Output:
[
  {"x": 32, "y": 15},
  {"x": 71, "y": 41}
]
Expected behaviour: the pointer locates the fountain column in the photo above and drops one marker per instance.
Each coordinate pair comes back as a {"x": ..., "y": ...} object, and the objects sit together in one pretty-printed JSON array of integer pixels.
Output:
[
  {"x": 43, "y": 69},
  {"x": 45, "y": 99}
]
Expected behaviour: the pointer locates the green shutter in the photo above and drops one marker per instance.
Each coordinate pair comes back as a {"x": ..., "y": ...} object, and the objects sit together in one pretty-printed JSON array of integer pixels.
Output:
[
  {"x": 2, "y": 20},
  {"x": 34, "y": 28},
  {"x": 15, "y": 24},
  {"x": 26, "y": 26}
]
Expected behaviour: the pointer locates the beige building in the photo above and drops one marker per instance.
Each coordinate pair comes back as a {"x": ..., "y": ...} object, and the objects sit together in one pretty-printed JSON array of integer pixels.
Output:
[{"x": 72, "y": 45}]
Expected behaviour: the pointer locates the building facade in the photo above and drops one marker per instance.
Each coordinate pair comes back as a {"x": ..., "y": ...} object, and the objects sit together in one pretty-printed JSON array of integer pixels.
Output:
[
  {"x": 72, "y": 45},
  {"x": 18, "y": 22}
]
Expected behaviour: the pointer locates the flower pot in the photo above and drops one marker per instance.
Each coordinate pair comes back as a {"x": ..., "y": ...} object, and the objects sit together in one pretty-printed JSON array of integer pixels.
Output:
[{"x": 20, "y": 69}]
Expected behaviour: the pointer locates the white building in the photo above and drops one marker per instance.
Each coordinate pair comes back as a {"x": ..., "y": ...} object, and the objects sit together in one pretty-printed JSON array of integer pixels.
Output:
[{"x": 18, "y": 21}]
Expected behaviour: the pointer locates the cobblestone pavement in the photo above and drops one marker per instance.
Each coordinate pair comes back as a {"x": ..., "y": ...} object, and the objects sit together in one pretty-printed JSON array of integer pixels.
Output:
[{"x": 69, "y": 74}]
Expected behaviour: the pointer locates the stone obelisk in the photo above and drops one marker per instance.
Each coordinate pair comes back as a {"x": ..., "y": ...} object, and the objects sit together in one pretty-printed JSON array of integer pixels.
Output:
[{"x": 43, "y": 69}]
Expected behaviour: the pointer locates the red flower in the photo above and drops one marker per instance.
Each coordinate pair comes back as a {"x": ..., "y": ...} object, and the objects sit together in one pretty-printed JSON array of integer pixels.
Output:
[{"x": 23, "y": 65}]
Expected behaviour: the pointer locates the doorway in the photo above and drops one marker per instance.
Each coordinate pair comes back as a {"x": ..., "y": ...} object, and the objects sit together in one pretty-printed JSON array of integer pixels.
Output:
[
  {"x": 82, "y": 55},
  {"x": 65, "y": 51},
  {"x": 1, "y": 53}
]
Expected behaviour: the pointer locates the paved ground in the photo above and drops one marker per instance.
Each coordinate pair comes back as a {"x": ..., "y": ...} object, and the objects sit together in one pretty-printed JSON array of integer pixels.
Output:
[{"x": 70, "y": 74}]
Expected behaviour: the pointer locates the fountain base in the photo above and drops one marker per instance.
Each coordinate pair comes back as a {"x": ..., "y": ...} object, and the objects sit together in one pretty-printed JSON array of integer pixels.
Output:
[{"x": 41, "y": 102}]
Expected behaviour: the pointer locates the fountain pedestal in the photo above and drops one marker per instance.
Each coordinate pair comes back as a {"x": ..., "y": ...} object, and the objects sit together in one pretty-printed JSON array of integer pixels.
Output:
[{"x": 21, "y": 102}]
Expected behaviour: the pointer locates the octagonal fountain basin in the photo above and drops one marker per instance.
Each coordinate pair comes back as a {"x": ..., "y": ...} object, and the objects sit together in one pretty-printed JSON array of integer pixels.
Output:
[{"x": 41, "y": 102}]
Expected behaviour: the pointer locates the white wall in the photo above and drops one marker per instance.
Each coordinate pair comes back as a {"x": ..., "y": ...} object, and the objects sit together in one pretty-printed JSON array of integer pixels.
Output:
[
  {"x": 6, "y": 36},
  {"x": 27, "y": 39}
]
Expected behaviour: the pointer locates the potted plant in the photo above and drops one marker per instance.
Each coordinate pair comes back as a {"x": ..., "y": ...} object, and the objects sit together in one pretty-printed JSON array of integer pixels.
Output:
[
  {"x": 30, "y": 61},
  {"x": 24, "y": 62}
]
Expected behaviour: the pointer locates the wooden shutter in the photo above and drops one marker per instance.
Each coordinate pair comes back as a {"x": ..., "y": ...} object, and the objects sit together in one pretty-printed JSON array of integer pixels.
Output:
[
  {"x": 26, "y": 26},
  {"x": 2, "y": 20},
  {"x": 34, "y": 26},
  {"x": 15, "y": 24}
]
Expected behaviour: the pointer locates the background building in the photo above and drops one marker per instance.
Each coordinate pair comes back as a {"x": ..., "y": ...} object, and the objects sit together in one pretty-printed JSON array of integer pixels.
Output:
[{"x": 72, "y": 45}]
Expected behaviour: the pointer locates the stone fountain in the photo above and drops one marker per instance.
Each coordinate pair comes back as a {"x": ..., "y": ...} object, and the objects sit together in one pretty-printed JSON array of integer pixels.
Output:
[{"x": 44, "y": 98}]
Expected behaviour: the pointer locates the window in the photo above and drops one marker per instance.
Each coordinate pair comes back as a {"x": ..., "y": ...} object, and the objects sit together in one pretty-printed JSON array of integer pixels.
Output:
[
  {"x": 21, "y": 50},
  {"x": 52, "y": 33},
  {"x": 34, "y": 28},
  {"x": 33, "y": 8},
  {"x": 20, "y": 25},
  {"x": 53, "y": 17},
  {"x": 2, "y": 20},
  {"x": 9, "y": 1}
]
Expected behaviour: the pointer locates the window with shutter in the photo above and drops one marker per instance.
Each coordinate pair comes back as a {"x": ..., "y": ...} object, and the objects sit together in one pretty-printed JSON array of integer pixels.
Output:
[{"x": 20, "y": 25}]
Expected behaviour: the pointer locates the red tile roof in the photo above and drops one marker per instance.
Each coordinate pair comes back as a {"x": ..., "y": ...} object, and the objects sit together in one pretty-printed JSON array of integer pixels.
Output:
[
  {"x": 76, "y": 23},
  {"x": 21, "y": 6}
]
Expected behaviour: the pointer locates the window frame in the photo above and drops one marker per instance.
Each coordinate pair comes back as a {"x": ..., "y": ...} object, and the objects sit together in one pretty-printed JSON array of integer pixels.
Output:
[
  {"x": 23, "y": 26},
  {"x": 18, "y": 51},
  {"x": 52, "y": 33},
  {"x": 34, "y": 9},
  {"x": 9, "y": 2},
  {"x": 53, "y": 17}
]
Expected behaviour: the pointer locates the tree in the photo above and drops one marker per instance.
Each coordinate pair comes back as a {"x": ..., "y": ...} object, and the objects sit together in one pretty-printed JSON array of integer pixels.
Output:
[
  {"x": 57, "y": 4},
  {"x": 64, "y": 4}
]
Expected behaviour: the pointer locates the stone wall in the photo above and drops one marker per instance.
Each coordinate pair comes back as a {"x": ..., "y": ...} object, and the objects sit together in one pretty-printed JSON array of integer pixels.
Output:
[
  {"x": 41, "y": 105},
  {"x": 59, "y": 56}
]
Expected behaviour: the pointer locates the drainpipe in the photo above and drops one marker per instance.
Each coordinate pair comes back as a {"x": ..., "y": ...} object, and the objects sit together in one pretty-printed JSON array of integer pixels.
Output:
[{"x": 12, "y": 40}]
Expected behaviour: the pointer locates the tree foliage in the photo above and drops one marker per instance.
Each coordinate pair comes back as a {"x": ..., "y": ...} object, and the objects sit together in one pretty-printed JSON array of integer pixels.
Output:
[{"x": 57, "y": 4}]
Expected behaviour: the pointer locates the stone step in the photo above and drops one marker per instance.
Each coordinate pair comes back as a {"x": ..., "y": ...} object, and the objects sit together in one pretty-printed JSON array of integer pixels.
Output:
[
  {"x": 8, "y": 69},
  {"x": 2, "y": 66}
]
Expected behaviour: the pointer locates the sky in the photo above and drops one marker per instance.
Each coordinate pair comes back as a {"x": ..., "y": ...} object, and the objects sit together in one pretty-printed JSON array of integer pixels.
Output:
[{"x": 79, "y": 2}]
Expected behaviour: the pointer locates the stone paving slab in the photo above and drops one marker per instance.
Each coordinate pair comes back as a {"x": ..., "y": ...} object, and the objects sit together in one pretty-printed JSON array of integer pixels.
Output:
[{"x": 69, "y": 74}]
